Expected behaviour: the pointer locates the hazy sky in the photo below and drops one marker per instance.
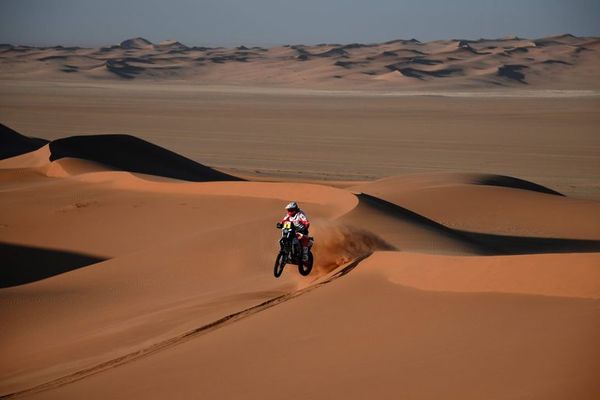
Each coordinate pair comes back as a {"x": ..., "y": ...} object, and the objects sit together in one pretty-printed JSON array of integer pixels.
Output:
[{"x": 267, "y": 22}]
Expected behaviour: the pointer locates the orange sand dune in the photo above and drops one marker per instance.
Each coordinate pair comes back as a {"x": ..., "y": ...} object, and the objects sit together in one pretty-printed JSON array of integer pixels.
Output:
[
  {"x": 563, "y": 275},
  {"x": 408, "y": 231},
  {"x": 491, "y": 204},
  {"x": 115, "y": 271},
  {"x": 365, "y": 335}
]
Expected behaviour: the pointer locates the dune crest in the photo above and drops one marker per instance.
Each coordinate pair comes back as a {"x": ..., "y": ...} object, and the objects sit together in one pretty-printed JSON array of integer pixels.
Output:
[
  {"x": 136, "y": 43},
  {"x": 13, "y": 144},
  {"x": 491, "y": 204},
  {"x": 28, "y": 159},
  {"x": 67, "y": 167},
  {"x": 114, "y": 152},
  {"x": 128, "y": 153}
]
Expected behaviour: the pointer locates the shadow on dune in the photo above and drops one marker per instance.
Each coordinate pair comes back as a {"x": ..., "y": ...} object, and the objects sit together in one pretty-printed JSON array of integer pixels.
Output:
[
  {"x": 486, "y": 243},
  {"x": 513, "y": 72},
  {"x": 26, "y": 264},
  {"x": 422, "y": 74},
  {"x": 514, "y": 245},
  {"x": 123, "y": 69},
  {"x": 121, "y": 152},
  {"x": 13, "y": 143},
  {"x": 515, "y": 183},
  {"x": 128, "y": 153},
  {"x": 403, "y": 215}
]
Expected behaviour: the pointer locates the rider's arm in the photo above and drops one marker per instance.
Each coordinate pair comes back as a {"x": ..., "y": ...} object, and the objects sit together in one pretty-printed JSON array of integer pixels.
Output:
[{"x": 304, "y": 221}]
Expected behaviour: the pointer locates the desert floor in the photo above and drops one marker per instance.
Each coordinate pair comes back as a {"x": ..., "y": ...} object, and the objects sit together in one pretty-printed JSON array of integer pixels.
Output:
[
  {"x": 437, "y": 274},
  {"x": 549, "y": 137}
]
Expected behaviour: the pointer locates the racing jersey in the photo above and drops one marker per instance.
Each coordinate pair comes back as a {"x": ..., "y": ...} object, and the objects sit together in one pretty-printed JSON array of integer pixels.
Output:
[{"x": 300, "y": 221}]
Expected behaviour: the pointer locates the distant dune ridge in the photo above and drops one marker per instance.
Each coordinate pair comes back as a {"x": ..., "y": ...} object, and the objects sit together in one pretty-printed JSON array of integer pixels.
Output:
[
  {"x": 557, "y": 62},
  {"x": 428, "y": 282},
  {"x": 136, "y": 43}
]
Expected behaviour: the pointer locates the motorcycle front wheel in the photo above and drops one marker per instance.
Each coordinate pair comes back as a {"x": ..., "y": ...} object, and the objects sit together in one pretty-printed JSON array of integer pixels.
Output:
[
  {"x": 305, "y": 268},
  {"x": 280, "y": 262}
]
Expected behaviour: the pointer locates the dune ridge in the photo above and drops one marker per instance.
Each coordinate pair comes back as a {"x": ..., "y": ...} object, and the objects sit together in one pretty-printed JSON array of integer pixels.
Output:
[
  {"x": 181, "y": 281},
  {"x": 15, "y": 144},
  {"x": 474, "y": 203},
  {"x": 134, "y": 155},
  {"x": 557, "y": 62},
  {"x": 119, "y": 152}
]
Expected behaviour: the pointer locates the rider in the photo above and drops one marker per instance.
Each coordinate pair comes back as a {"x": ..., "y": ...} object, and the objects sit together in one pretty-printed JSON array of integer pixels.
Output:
[{"x": 297, "y": 217}]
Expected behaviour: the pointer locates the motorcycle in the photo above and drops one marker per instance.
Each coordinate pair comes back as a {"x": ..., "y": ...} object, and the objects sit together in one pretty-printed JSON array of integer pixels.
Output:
[{"x": 291, "y": 251}]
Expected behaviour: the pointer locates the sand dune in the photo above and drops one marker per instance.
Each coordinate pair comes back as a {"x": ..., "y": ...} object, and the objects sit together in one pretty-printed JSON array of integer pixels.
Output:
[
  {"x": 423, "y": 344},
  {"x": 128, "y": 261},
  {"x": 15, "y": 144},
  {"x": 491, "y": 204},
  {"x": 539, "y": 274},
  {"x": 136, "y": 43},
  {"x": 408, "y": 231},
  {"x": 121, "y": 152},
  {"x": 133, "y": 155},
  {"x": 560, "y": 62}
]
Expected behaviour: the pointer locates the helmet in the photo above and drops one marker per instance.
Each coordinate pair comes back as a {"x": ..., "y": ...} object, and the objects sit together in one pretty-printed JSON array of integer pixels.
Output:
[{"x": 292, "y": 208}]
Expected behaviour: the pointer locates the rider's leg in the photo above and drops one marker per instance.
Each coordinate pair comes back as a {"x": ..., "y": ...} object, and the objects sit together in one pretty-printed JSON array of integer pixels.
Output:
[
  {"x": 304, "y": 241},
  {"x": 305, "y": 254}
]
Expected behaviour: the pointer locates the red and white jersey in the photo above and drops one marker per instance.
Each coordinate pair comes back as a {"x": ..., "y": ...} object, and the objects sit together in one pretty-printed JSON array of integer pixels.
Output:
[{"x": 300, "y": 220}]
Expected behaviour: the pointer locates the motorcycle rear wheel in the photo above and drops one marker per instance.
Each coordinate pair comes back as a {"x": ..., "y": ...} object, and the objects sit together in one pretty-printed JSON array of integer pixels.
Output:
[
  {"x": 306, "y": 268},
  {"x": 280, "y": 262}
]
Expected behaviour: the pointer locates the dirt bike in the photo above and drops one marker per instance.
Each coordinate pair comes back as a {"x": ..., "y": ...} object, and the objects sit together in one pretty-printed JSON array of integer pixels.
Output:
[{"x": 291, "y": 251}]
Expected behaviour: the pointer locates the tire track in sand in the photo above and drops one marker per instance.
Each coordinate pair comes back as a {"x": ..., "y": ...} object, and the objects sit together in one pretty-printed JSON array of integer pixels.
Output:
[{"x": 191, "y": 334}]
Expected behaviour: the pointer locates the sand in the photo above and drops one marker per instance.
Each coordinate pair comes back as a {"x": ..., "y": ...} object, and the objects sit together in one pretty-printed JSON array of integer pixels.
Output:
[
  {"x": 116, "y": 275},
  {"x": 453, "y": 192},
  {"x": 552, "y": 141}
]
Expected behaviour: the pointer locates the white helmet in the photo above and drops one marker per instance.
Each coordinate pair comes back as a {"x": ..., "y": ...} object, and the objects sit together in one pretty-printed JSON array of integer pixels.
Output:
[{"x": 293, "y": 206}]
